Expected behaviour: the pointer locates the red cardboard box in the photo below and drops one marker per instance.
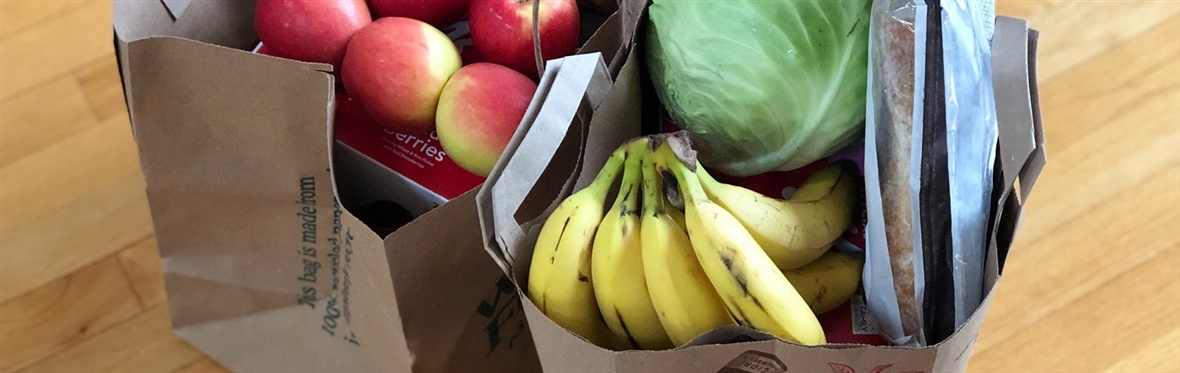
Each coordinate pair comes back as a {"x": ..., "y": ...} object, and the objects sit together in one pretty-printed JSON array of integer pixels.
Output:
[
  {"x": 417, "y": 157},
  {"x": 420, "y": 166}
]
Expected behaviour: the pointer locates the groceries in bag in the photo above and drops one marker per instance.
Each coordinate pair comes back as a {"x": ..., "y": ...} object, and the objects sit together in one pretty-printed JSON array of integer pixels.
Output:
[{"x": 645, "y": 275}]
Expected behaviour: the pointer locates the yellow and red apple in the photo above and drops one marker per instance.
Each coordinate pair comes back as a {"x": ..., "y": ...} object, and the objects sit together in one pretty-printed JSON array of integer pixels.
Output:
[
  {"x": 309, "y": 30},
  {"x": 502, "y": 30},
  {"x": 479, "y": 111},
  {"x": 396, "y": 68}
]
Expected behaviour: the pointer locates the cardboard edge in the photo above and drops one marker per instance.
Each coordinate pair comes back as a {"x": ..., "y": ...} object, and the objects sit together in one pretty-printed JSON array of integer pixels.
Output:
[{"x": 1032, "y": 170}]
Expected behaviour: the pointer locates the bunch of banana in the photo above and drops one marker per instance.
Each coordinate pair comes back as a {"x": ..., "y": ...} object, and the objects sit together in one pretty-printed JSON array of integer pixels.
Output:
[
  {"x": 644, "y": 275},
  {"x": 559, "y": 275},
  {"x": 799, "y": 230},
  {"x": 681, "y": 293},
  {"x": 618, "y": 270}
]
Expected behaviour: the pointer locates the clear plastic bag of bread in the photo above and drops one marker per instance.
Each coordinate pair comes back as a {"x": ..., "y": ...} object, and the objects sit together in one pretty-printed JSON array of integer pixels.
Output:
[{"x": 929, "y": 153}]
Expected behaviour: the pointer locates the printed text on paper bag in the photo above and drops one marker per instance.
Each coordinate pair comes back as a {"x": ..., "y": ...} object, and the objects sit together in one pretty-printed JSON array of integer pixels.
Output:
[
  {"x": 307, "y": 252},
  {"x": 336, "y": 301}
]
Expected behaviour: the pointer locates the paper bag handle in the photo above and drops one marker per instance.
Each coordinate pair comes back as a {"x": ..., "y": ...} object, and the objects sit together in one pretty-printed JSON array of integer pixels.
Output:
[
  {"x": 569, "y": 86},
  {"x": 537, "y": 38}
]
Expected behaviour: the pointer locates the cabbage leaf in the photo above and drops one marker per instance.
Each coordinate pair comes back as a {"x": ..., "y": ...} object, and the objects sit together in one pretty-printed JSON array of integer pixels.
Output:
[{"x": 761, "y": 85}]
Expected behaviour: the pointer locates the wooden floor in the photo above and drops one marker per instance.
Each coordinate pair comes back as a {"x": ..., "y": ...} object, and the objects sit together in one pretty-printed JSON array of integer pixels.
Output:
[{"x": 1092, "y": 284}]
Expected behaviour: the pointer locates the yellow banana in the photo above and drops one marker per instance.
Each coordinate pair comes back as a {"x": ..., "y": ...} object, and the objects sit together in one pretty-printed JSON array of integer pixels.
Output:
[
  {"x": 686, "y": 302},
  {"x": 617, "y": 266},
  {"x": 755, "y": 292},
  {"x": 829, "y": 281},
  {"x": 559, "y": 274},
  {"x": 793, "y": 232}
]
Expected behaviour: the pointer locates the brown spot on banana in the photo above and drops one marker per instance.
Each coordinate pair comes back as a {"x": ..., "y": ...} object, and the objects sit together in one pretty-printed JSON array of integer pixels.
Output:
[
  {"x": 564, "y": 226},
  {"x": 726, "y": 256},
  {"x": 623, "y": 324},
  {"x": 738, "y": 314},
  {"x": 819, "y": 297},
  {"x": 757, "y": 303}
]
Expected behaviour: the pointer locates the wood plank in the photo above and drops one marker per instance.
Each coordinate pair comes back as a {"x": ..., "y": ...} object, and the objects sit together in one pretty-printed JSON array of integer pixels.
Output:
[
  {"x": 55, "y": 47},
  {"x": 1159, "y": 356},
  {"x": 1084, "y": 255},
  {"x": 1022, "y": 9},
  {"x": 1071, "y": 34},
  {"x": 1113, "y": 85},
  {"x": 203, "y": 365},
  {"x": 37, "y": 118},
  {"x": 63, "y": 313},
  {"x": 1105, "y": 189},
  {"x": 1098, "y": 156},
  {"x": 1128, "y": 314},
  {"x": 89, "y": 185},
  {"x": 142, "y": 344},
  {"x": 17, "y": 16},
  {"x": 104, "y": 89},
  {"x": 142, "y": 264}
]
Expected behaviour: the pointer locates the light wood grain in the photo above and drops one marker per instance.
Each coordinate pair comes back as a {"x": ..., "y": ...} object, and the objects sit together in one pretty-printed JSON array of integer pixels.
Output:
[
  {"x": 1122, "y": 316},
  {"x": 143, "y": 344},
  {"x": 1149, "y": 359},
  {"x": 1087, "y": 122},
  {"x": 56, "y": 47},
  {"x": 41, "y": 117},
  {"x": 1092, "y": 282},
  {"x": 88, "y": 185},
  {"x": 63, "y": 313},
  {"x": 1104, "y": 138},
  {"x": 1076, "y": 33},
  {"x": 104, "y": 91},
  {"x": 1083, "y": 256},
  {"x": 1114, "y": 87},
  {"x": 141, "y": 263},
  {"x": 17, "y": 16}
]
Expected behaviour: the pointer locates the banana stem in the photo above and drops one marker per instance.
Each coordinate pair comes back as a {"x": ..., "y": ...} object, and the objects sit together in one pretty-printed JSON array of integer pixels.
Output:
[
  {"x": 704, "y": 176},
  {"x": 610, "y": 171},
  {"x": 632, "y": 178},
  {"x": 690, "y": 185}
]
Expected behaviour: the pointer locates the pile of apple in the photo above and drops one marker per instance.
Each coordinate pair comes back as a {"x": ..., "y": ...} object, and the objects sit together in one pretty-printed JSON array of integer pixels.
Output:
[{"x": 395, "y": 62}]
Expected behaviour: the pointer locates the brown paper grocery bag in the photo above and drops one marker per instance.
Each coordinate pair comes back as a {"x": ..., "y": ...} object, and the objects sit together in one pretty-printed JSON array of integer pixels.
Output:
[
  {"x": 560, "y": 153},
  {"x": 265, "y": 269}
]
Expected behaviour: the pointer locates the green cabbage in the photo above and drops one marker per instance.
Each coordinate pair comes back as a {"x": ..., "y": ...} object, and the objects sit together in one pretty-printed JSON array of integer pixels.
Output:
[{"x": 762, "y": 85}]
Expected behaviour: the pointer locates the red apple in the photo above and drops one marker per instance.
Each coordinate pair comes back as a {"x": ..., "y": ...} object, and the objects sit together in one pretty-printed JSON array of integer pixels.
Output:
[
  {"x": 309, "y": 30},
  {"x": 478, "y": 113},
  {"x": 396, "y": 68},
  {"x": 439, "y": 13},
  {"x": 503, "y": 31}
]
